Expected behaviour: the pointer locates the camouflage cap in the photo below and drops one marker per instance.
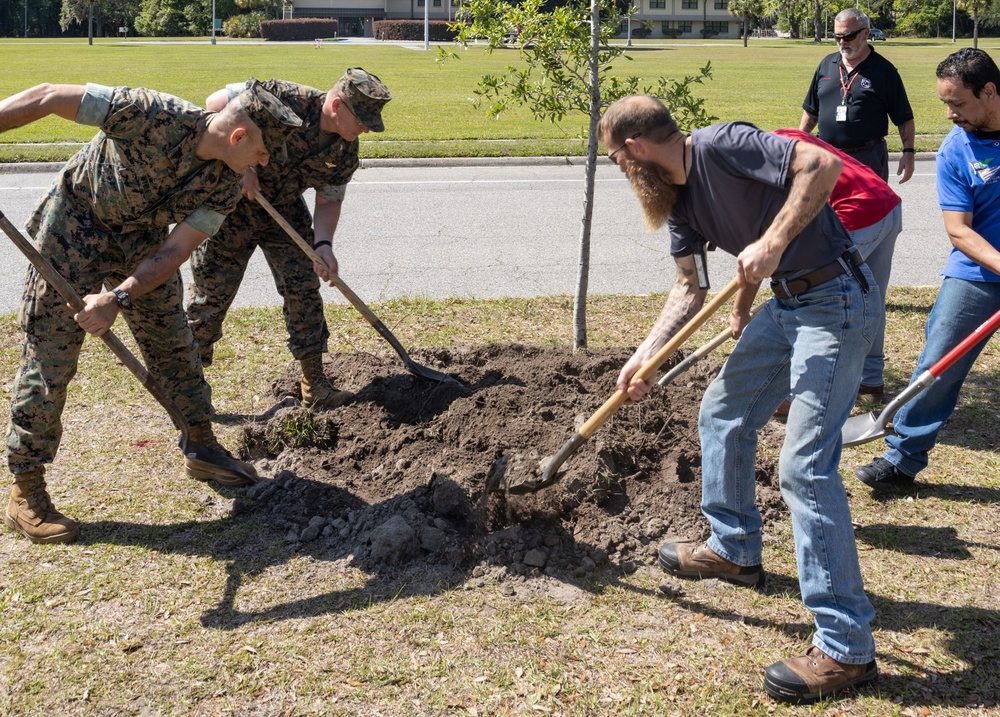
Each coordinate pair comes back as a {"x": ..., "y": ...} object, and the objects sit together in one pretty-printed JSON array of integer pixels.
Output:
[
  {"x": 366, "y": 95},
  {"x": 274, "y": 118}
]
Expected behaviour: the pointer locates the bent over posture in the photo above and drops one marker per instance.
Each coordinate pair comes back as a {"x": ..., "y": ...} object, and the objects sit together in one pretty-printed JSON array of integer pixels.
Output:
[
  {"x": 763, "y": 199},
  {"x": 157, "y": 160},
  {"x": 321, "y": 155}
]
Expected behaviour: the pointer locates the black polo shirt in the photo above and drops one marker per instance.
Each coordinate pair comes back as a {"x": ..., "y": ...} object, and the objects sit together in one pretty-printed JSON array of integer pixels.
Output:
[{"x": 875, "y": 95}]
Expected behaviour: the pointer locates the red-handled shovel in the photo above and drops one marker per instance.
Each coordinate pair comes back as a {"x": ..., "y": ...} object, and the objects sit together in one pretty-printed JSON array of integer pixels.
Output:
[{"x": 866, "y": 427}]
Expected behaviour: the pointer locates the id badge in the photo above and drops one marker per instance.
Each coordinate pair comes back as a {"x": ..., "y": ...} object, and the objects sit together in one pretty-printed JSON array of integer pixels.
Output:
[{"x": 841, "y": 113}]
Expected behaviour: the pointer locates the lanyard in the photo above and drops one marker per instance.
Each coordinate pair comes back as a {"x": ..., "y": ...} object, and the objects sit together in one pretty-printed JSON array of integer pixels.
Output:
[{"x": 845, "y": 88}]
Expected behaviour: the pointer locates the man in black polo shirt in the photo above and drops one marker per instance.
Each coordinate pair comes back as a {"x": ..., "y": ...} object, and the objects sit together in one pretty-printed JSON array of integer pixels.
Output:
[{"x": 854, "y": 94}]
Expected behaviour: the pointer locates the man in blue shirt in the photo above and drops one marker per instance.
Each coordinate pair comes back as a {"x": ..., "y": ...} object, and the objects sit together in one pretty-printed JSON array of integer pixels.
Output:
[{"x": 968, "y": 169}]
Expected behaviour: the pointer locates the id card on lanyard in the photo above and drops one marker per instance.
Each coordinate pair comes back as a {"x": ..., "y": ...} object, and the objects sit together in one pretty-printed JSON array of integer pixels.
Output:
[{"x": 845, "y": 88}]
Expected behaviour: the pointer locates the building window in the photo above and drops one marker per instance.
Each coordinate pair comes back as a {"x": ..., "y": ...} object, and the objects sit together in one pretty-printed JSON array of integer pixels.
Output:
[
  {"x": 420, "y": 3},
  {"x": 720, "y": 28},
  {"x": 684, "y": 26},
  {"x": 657, "y": 4},
  {"x": 689, "y": 4},
  {"x": 437, "y": 3},
  {"x": 721, "y": 4}
]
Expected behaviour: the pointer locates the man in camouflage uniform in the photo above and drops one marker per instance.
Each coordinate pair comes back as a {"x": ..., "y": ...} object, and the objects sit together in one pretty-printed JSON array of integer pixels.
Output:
[
  {"x": 322, "y": 154},
  {"x": 157, "y": 160}
]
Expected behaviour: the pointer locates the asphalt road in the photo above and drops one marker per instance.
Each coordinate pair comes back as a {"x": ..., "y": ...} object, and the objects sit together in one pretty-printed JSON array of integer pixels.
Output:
[{"x": 503, "y": 230}]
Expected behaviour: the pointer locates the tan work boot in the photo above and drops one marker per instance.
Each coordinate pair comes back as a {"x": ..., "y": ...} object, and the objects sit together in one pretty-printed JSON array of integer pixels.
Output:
[
  {"x": 813, "y": 676},
  {"x": 687, "y": 560},
  {"x": 30, "y": 511},
  {"x": 205, "y": 467},
  {"x": 317, "y": 391}
]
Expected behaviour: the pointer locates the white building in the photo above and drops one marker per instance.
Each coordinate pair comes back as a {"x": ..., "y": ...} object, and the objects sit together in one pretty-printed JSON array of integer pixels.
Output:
[{"x": 664, "y": 18}]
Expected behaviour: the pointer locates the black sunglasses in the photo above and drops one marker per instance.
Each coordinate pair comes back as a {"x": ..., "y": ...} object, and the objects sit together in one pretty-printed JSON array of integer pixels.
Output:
[{"x": 847, "y": 36}]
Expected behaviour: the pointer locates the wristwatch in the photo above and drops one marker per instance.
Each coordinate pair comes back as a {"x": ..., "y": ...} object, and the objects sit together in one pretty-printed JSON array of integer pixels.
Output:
[{"x": 124, "y": 300}]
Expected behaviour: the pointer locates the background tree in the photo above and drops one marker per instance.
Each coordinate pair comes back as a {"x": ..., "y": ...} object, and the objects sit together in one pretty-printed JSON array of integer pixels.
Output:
[
  {"x": 109, "y": 15},
  {"x": 566, "y": 71},
  {"x": 745, "y": 10},
  {"x": 982, "y": 12}
]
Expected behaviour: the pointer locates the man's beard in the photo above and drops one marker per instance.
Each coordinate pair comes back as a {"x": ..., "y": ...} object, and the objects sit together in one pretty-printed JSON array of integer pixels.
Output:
[{"x": 656, "y": 196}]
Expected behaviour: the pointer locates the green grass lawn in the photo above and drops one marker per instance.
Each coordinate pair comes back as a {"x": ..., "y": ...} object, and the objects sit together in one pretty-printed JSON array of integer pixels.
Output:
[{"x": 431, "y": 114}]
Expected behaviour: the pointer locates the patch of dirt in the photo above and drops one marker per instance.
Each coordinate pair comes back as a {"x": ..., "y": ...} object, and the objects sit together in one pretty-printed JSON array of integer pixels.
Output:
[{"x": 410, "y": 474}]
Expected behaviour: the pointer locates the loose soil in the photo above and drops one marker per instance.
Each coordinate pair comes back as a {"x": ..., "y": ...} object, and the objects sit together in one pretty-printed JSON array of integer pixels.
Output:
[{"x": 409, "y": 476}]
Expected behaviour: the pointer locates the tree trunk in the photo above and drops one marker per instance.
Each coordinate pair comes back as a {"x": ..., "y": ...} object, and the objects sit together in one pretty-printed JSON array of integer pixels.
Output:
[
  {"x": 818, "y": 22},
  {"x": 746, "y": 27},
  {"x": 975, "y": 29},
  {"x": 580, "y": 301}
]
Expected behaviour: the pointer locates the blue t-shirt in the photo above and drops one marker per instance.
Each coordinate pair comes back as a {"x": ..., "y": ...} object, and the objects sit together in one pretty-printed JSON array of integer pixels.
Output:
[
  {"x": 737, "y": 184},
  {"x": 968, "y": 180}
]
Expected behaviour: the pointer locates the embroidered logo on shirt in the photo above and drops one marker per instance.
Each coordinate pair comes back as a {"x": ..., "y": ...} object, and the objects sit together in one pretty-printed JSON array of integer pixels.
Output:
[
  {"x": 866, "y": 83},
  {"x": 986, "y": 172}
]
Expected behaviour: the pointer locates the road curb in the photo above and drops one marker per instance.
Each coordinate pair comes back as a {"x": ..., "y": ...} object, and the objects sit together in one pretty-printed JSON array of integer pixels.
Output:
[{"x": 373, "y": 162}]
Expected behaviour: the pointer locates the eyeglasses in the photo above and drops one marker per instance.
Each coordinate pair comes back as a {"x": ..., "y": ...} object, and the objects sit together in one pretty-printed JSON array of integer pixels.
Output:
[
  {"x": 847, "y": 36},
  {"x": 612, "y": 155}
]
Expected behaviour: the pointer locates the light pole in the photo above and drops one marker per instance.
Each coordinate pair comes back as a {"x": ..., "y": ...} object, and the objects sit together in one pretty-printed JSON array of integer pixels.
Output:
[
  {"x": 213, "y": 22},
  {"x": 90, "y": 24},
  {"x": 25, "y": 19},
  {"x": 954, "y": 5}
]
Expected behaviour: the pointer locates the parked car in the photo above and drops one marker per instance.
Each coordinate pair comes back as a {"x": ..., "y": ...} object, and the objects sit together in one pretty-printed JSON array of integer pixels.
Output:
[{"x": 877, "y": 34}]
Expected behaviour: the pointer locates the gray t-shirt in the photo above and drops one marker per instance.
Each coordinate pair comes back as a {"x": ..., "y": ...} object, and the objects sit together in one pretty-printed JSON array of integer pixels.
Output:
[{"x": 738, "y": 181}]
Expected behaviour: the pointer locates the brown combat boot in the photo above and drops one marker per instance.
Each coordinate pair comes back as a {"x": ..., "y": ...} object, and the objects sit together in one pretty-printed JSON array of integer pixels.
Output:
[
  {"x": 317, "y": 391},
  {"x": 206, "y": 467},
  {"x": 30, "y": 511}
]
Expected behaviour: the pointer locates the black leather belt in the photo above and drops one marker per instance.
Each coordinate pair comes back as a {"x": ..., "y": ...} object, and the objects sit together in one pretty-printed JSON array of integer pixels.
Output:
[
  {"x": 871, "y": 144},
  {"x": 848, "y": 261}
]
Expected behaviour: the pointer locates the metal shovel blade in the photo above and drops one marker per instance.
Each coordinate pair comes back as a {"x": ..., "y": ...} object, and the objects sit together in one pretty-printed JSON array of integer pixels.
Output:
[
  {"x": 863, "y": 429},
  {"x": 411, "y": 365}
]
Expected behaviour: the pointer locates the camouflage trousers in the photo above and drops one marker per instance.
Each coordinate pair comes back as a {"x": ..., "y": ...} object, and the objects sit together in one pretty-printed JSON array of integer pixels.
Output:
[
  {"x": 88, "y": 256},
  {"x": 218, "y": 266}
]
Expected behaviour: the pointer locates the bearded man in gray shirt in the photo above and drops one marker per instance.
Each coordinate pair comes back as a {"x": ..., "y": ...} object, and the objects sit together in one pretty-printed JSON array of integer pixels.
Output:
[{"x": 763, "y": 199}]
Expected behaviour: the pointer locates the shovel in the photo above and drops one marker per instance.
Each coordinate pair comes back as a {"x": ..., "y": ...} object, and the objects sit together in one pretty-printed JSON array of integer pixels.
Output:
[
  {"x": 550, "y": 473},
  {"x": 411, "y": 365},
  {"x": 53, "y": 277},
  {"x": 702, "y": 351},
  {"x": 866, "y": 427}
]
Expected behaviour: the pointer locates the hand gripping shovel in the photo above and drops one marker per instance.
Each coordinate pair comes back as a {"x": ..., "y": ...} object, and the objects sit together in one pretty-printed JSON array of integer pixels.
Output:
[
  {"x": 865, "y": 428},
  {"x": 53, "y": 277},
  {"x": 411, "y": 365},
  {"x": 550, "y": 474}
]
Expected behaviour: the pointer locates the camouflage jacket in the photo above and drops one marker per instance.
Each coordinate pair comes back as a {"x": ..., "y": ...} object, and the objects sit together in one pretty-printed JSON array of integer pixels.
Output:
[
  {"x": 314, "y": 161},
  {"x": 140, "y": 171}
]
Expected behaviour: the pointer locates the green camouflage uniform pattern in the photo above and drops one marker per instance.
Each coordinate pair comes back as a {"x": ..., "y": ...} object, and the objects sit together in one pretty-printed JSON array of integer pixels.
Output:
[
  {"x": 109, "y": 209},
  {"x": 218, "y": 265}
]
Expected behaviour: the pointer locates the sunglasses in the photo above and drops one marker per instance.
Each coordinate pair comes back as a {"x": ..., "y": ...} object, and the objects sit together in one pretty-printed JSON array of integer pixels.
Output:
[
  {"x": 847, "y": 36},
  {"x": 614, "y": 154}
]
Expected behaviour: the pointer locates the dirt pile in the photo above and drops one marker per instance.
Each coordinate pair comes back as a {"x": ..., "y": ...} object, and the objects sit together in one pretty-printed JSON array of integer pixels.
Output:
[{"x": 397, "y": 477}]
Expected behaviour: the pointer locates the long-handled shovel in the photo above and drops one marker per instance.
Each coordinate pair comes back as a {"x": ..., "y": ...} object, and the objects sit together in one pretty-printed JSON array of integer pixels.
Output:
[
  {"x": 865, "y": 428},
  {"x": 53, "y": 277},
  {"x": 411, "y": 365},
  {"x": 550, "y": 473},
  {"x": 702, "y": 351}
]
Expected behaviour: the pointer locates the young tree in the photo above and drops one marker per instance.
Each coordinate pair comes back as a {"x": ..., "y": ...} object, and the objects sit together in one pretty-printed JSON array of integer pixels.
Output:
[{"x": 566, "y": 71}]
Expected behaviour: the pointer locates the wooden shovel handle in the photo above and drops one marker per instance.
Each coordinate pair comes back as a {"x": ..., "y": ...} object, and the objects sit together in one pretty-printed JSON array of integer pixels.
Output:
[{"x": 648, "y": 369}]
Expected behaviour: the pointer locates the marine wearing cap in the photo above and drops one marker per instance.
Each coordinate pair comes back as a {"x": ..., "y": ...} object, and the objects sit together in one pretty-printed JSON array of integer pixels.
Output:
[
  {"x": 275, "y": 120},
  {"x": 366, "y": 95}
]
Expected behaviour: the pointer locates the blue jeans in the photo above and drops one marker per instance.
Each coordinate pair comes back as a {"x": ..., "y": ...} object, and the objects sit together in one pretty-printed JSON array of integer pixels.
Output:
[
  {"x": 812, "y": 345},
  {"x": 876, "y": 244},
  {"x": 960, "y": 308}
]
